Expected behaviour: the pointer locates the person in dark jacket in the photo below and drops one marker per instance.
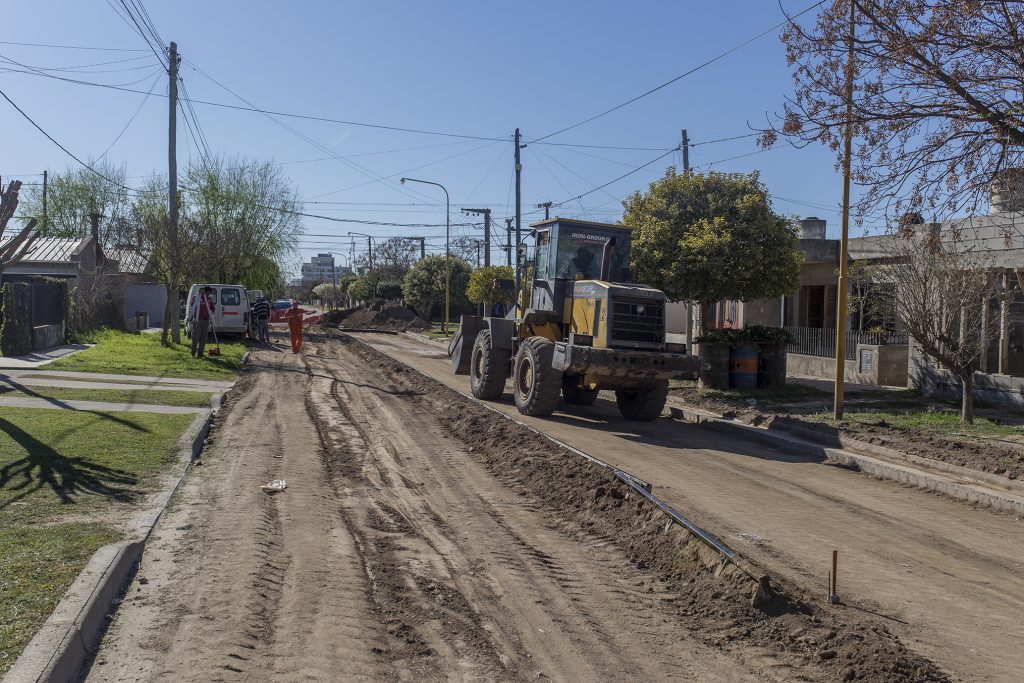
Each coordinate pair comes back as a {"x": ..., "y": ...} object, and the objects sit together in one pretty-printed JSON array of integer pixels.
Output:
[{"x": 261, "y": 319}]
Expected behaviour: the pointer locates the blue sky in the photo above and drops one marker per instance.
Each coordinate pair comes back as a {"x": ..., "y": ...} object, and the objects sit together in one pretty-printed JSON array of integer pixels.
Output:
[{"x": 461, "y": 67}]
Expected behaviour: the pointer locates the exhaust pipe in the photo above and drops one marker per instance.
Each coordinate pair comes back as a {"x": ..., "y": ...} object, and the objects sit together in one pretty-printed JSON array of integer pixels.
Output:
[{"x": 606, "y": 258}]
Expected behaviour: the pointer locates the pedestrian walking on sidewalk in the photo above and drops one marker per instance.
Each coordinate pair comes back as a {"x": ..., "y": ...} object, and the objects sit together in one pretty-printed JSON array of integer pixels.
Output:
[
  {"x": 200, "y": 310},
  {"x": 261, "y": 316},
  {"x": 295, "y": 320}
]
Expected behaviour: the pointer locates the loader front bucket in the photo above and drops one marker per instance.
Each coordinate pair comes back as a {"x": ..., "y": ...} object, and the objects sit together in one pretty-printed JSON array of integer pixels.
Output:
[{"x": 460, "y": 349}]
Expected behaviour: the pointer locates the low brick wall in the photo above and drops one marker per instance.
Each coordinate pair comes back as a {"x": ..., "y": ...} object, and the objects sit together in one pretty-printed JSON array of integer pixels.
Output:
[{"x": 877, "y": 365}]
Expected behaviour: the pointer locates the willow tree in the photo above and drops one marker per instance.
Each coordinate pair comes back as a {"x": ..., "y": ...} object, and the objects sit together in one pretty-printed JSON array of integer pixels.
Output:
[
  {"x": 248, "y": 211},
  {"x": 73, "y": 194},
  {"x": 938, "y": 99},
  {"x": 707, "y": 237}
]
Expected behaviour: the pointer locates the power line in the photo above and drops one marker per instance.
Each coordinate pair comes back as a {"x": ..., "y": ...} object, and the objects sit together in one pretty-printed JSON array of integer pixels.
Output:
[
  {"x": 624, "y": 175},
  {"x": 72, "y": 47},
  {"x": 683, "y": 75},
  {"x": 54, "y": 141},
  {"x": 131, "y": 120}
]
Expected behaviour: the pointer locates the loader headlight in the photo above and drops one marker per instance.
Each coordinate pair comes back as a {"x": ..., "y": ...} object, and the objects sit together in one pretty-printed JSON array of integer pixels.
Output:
[{"x": 640, "y": 309}]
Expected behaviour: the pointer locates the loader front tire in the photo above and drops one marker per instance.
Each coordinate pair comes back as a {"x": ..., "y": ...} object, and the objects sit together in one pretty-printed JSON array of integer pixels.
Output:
[
  {"x": 642, "y": 404},
  {"x": 488, "y": 368},
  {"x": 537, "y": 385}
]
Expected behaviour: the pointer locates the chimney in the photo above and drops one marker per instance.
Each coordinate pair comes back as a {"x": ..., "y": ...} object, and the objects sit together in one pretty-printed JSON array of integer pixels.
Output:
[
  {"x": 1006, "y": 192},
  {"x": 811, "y": 228}
]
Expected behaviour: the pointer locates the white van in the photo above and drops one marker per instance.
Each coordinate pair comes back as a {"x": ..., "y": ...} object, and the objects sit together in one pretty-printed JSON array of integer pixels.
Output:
[{"x": 231, "y": 313}]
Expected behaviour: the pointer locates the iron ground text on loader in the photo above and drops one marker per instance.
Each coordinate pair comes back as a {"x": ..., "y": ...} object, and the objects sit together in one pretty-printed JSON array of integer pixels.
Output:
[{"x": 579, "y": 325}]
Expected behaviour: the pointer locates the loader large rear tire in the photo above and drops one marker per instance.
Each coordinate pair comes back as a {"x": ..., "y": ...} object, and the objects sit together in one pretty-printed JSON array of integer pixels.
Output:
[
  {"x": 488, "y": 368},
  {"x": 537, "y": 385},
  {"x": 642, "y": 404}
]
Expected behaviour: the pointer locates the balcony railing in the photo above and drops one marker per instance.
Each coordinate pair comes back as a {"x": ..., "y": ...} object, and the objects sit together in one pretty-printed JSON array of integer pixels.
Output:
[{"x": 817, "y": 341}]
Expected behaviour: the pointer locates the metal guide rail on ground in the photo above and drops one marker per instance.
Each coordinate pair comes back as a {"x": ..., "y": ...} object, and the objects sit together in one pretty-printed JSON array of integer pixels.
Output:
[{"x": 639, "y": 485}]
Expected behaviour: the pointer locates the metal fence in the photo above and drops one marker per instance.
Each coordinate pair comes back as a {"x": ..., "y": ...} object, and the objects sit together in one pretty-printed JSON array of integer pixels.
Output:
[{"x": 817, "y": 341}]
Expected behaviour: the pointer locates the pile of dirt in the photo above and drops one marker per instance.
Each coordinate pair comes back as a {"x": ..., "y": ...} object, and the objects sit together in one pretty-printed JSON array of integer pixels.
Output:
[
  {"x": 377, "y": 315},
  {"x": 715, "y": 601},
  {"x": 974, "y": 451}
]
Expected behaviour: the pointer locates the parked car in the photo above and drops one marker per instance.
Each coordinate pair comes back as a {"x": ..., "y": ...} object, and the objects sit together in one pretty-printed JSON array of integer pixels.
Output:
[
  {"x": 254, "y": 294},
  {"x": 231, "y": 315},
  {"x": 279, "y": 310}
]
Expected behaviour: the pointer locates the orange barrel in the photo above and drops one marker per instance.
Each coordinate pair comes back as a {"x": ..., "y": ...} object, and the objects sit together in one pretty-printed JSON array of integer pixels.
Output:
[{"x": 743, "y": 367}]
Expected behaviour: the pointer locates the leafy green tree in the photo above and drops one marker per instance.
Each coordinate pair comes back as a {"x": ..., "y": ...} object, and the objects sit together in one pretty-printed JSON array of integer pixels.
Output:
[
  {"x": 389, "y": 289},
  {"x": 75, "y": 193},
  {"x": 424, "y": 285},
  {"x": 364, "y": 288},
  {"x": 482, "y": 289},
  {"x": 706, "y": 237}
]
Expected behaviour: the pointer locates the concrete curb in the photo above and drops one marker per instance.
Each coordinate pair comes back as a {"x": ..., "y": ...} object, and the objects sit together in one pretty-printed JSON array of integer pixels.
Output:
[
  {"x": 62, "y": 646},
  {"x": 963, "y": 485}
]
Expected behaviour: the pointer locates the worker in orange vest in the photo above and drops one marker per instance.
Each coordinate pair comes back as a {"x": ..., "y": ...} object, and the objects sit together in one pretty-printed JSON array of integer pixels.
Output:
[{"x": 296, "y": 318}]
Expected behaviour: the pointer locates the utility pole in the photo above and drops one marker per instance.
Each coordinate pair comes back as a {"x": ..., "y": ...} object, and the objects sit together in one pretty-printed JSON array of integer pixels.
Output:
[
  {"x": 837, "y": 410},
  {"x": 519, "y": 212},
  {"x": 487, "y": 234},
  {"x": 423, "y": 246},
  {"x": 508, "y": 241},
  {"x": 172, "y": 194},
  {"x": 685, "y": 147},
  {"x": 547, "y": 209},
  {"x": 45, "y": 178}
]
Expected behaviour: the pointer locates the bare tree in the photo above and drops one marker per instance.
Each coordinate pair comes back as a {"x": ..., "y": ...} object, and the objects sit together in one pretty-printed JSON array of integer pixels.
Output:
[
  {"x": 392, "y": 258},
  {"x": 937, "y": 111},
  {"x": 942, "y": 292},
  {"x": 14, "y": 250}
]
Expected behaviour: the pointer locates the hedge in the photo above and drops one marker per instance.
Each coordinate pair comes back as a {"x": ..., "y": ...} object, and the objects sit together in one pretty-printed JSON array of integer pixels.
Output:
[{"x": 16, "y": 329}]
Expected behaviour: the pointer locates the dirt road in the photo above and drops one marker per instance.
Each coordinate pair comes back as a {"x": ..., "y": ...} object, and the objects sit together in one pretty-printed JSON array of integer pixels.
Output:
[
  {"x": 948, "y": 578},
  {"x": 394, "y": 554}
]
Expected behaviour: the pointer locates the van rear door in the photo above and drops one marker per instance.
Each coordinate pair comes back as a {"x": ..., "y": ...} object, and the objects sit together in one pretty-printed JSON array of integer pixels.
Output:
[{"x": 233, "y": 312}]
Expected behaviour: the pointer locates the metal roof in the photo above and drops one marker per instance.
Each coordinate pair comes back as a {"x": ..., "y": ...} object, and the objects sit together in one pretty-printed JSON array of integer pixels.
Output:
[
  {"x": 51, "y": 249},
  {"x": 129, "y": 261}
]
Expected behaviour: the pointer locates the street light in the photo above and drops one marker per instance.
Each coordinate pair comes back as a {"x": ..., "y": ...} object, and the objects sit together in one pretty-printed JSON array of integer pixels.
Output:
[
  {"x": 334, "y": 292},
  {"x": 369, "y": 244},
  {"x": 447, "y": 251}
]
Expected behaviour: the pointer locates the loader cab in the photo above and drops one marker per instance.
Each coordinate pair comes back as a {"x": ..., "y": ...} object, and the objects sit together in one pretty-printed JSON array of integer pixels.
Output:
[{"x": 568, "y": 250}]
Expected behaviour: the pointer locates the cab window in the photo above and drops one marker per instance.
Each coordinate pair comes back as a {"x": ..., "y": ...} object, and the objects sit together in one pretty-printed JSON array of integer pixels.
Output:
[
  {"x": 541, "y": 257},
  {"x": 230, "y": 296}
]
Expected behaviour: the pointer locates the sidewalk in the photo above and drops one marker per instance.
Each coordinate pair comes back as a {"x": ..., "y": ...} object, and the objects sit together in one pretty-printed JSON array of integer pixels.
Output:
[
  {"x": 93, "y": 406},
  {"x": 40, "y": 358},
  {"x": 96, "y": 380}
]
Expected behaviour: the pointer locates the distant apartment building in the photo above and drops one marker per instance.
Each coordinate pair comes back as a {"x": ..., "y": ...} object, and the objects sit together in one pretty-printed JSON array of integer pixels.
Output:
[{"x": 320, "y": 268}]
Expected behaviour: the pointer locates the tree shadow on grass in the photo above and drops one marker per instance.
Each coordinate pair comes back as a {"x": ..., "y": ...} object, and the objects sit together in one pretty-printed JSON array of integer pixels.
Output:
[
  {"x": 15, "y": 385},
  {"x": 67, "y": 477}
]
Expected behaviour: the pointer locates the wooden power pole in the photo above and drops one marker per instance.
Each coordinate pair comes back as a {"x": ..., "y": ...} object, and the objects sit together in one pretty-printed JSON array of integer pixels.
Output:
[
  {"x": 172, "y": 193},
  {"x": 837, "y": 409}
]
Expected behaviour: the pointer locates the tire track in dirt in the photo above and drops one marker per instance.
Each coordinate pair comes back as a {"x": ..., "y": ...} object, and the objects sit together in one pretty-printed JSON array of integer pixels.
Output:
[
  {"x": 246, "y": 585},
  {"x": 570, "y": 611}
]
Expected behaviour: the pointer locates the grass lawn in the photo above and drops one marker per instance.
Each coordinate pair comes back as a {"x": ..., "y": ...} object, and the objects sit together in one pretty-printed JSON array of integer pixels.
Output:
[
  {"x": 141, "y": 354},
  {"x": 37, "y": 565},
  {"x": 788, "y": 393},
  {"x": 56, "y": 462},
  {"x": 61, "y": 473},
  {"x": 933, "y": 421},
  {"x": 148, "y": 397}
]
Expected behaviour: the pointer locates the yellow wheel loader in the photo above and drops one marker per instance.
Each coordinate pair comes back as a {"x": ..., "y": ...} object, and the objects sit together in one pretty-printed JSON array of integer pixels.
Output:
[{"x": 579, "y": 325}]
